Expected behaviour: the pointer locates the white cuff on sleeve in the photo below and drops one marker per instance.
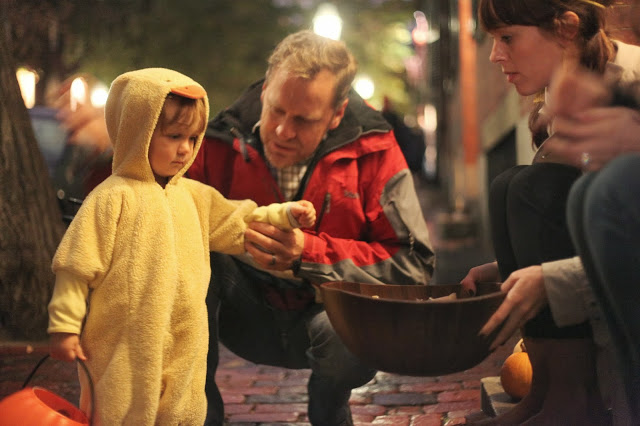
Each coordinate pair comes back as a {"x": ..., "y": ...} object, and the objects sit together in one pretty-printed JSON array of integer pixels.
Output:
[
  {"x": 68, "y": 304},
  {"x": 565, "y": 283}
]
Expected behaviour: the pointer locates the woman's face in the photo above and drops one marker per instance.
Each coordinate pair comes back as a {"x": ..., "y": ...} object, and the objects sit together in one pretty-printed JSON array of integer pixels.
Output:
[{"x": 528, "y": 56}]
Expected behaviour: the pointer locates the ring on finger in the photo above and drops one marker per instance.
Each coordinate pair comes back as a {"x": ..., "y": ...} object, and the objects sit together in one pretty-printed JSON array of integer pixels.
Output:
[{"x": 273, "y": 260}]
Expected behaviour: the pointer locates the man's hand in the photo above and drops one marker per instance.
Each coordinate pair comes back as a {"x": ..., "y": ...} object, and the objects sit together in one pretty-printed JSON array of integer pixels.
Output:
[
  {"x": 526, "y": 296},
  {"x": 66, "y": 347},
  {"x": 273, "y": 248}
]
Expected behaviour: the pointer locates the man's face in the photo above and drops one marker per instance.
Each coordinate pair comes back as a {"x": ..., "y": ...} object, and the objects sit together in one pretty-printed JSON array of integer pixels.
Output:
[{"x": 296, "y": 114}]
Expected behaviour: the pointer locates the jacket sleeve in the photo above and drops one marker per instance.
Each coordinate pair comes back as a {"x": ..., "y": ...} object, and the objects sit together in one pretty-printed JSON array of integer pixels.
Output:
[
  {"x": 393, "y": 247},
  {"x": 68, "y": 305},
  {"x": 86, "y": 250},
  {"x": 570, "y": 296},
  {"x": 229, "y": 219},
  {"x": 82, "y": 257},
  {"x": 226, "y": 222},
  {"x": 277, "y": 214}
]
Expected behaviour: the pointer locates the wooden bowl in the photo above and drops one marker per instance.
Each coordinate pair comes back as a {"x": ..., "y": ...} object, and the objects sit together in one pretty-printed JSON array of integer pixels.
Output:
[{"x": 397, "y": 329}]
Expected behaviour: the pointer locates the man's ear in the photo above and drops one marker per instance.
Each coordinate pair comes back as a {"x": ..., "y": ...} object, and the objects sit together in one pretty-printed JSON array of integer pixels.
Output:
[
  {"x": 264, "y": 87},
  {"x": 337, "y": 116},
  {"x": 568, "y": 26}
]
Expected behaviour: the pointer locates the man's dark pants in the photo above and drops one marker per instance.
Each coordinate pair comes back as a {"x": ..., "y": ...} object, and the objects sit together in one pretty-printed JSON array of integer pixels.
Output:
[{"x": 246, "y": 324}]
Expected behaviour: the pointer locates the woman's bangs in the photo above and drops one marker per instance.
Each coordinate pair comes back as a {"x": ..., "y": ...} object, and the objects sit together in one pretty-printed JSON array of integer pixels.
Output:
[{"x": 494, "y": 14}]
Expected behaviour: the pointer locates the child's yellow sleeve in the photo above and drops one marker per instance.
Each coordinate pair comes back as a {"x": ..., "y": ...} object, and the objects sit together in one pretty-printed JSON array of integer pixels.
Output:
[
  {"x": 68, "y": 305},
  {"x": 277, "y": 214}
]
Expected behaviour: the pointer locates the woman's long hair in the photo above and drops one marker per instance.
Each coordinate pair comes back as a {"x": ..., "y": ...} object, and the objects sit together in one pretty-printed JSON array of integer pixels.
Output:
[{"x": 596, "y": 48}]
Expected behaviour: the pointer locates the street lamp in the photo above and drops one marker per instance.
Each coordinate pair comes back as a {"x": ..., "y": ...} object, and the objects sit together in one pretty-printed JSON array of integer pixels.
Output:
[
  {"x": 27, "y": 80},
  {"x": 327, "y": 22},
  {"x": 99, "y": 95},
  {"x": 422, "y": 33},
  {"x": 77, "y": 93},
  {"x": 364, "y": 86}
]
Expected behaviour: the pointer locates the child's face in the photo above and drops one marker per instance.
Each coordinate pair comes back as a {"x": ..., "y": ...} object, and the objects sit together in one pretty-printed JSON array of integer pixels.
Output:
[{"x": 171, "y": 147}]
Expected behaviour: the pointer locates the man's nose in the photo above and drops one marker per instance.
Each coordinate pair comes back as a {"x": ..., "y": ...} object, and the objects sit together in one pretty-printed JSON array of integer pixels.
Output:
[{"x": 285, "y": 130}]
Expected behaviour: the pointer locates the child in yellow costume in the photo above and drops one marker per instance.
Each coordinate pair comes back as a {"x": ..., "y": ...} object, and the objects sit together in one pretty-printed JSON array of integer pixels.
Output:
[{"x": 132, "y": 271}]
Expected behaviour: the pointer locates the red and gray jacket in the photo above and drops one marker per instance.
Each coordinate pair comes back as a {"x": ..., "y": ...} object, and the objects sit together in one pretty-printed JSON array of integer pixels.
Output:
[{"x": 370, "y": 227}]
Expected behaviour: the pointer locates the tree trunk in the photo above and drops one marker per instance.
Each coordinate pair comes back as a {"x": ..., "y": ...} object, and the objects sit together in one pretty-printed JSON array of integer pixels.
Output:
[{"x": 30, "y": 221}]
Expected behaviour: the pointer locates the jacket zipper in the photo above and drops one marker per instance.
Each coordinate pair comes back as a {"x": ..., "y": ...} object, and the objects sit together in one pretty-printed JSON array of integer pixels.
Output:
[
  {"x": 242, "y": 142},
  {"x": 326, "y": 207}
]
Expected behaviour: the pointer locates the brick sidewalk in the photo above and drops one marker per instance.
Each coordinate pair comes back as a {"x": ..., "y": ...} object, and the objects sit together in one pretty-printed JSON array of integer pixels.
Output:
[{"x": 263, "y": 395}]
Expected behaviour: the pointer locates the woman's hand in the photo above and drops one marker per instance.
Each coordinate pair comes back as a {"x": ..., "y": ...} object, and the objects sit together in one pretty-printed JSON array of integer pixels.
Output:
[
  {"x": 526, "y": 296},
  {"x": 85, "y": 126},
  {"x": 587, "y": 133},
  {"x": 590, "y": 139},
  {"x": 483, "y": 273},
  {"x": 574, "y": 91}
]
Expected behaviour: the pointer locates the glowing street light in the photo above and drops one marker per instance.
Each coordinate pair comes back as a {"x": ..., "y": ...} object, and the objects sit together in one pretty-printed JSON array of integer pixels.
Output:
[
  {"x": 99, "y": 95},
  {"x": 364, "y": 86},
  {"x": 27, "y": 80},
  {"x": 327, "y": 22},
  {"x": 78, "y": 92},
  {"x": 422, "y": 33}
]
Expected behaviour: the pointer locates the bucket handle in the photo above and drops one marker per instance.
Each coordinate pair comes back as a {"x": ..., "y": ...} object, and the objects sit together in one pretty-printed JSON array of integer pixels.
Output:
[{"x": 84, "y": 367}]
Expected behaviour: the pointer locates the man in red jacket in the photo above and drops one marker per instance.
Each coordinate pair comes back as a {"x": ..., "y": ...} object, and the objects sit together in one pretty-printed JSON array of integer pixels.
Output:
[{"x": 302, "y": 133}]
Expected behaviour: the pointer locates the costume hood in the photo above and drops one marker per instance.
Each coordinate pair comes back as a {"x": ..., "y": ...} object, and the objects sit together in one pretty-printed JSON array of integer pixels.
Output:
[{"x": 132, "y": 111}]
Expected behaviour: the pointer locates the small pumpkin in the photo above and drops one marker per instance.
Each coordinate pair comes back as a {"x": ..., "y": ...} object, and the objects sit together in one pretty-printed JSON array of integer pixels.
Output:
[{"x": 515, "y": 375}]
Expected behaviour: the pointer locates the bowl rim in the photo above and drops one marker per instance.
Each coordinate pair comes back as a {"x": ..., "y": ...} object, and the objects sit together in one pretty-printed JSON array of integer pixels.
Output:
[{"x": 329, "y": 286}]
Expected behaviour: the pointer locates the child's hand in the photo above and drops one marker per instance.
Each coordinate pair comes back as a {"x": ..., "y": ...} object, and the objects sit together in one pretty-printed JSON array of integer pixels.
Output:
[
  {"x": 65, "y": 347},
  {"x": 304, "y": 212}
]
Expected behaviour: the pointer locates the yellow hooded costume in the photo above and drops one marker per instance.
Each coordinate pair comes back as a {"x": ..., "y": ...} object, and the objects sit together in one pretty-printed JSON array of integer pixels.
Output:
[{"x": 134, "y": 266}]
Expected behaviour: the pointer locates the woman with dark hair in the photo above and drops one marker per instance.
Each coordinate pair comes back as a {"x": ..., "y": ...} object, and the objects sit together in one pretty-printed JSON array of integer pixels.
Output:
[{"x": 533, "y": 39}]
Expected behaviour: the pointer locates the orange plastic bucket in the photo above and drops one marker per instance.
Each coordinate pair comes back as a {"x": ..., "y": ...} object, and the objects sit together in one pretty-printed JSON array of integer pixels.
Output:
[{"x": 36, "y": 406}]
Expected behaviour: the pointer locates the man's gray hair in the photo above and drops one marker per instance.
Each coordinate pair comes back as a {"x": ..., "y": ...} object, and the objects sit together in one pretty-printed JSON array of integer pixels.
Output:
[{"x": 304, "y": 54}]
